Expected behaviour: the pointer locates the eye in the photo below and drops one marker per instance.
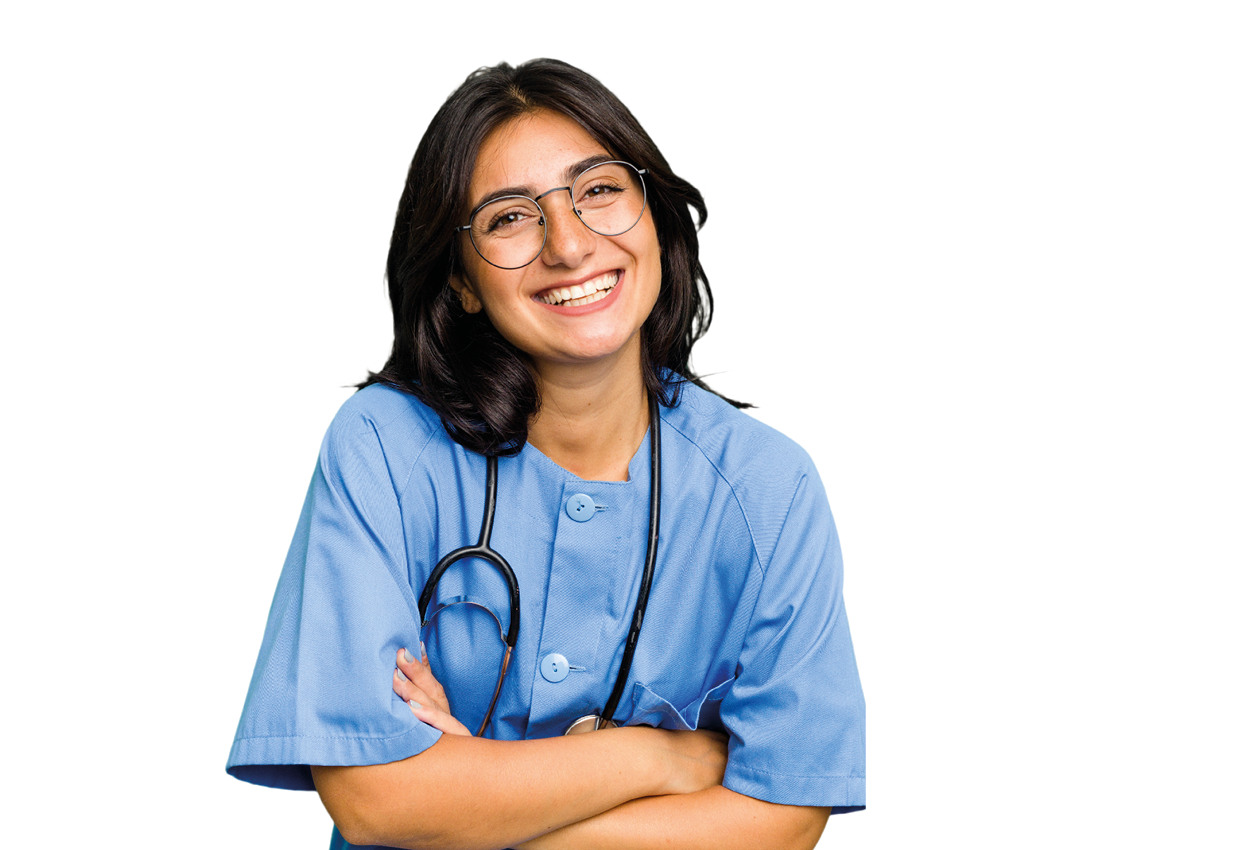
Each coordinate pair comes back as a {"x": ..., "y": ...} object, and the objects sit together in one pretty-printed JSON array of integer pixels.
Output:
[
  {"x": 505, "y": 218},
  {"x": 599, "y": 192}
]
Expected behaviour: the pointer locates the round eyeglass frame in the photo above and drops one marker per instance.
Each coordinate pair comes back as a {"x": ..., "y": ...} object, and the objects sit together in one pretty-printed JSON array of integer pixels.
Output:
[{"x": 543, "y": 218}]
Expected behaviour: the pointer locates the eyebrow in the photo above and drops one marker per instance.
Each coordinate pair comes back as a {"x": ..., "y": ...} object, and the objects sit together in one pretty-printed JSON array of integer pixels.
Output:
[{"x": 570, "y": 174}]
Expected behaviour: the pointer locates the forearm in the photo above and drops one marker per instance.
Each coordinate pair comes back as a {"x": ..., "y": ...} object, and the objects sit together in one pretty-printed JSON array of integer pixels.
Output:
[
  {"x": 716, "y": 819},
  {"x": 479, "y": 793}
]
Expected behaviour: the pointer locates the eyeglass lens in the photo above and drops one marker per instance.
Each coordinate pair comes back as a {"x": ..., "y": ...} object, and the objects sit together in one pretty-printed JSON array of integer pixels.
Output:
[{"x": 510, "y": 232}]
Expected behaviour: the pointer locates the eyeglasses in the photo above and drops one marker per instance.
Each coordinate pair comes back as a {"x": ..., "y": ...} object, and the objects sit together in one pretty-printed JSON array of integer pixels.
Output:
[{"x": 510, "y": 232}]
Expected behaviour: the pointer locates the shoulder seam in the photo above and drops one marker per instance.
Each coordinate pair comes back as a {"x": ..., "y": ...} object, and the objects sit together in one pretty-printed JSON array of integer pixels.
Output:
[
  {"x": 373, "y": 424},
  {"x": 755, "y": 548}
]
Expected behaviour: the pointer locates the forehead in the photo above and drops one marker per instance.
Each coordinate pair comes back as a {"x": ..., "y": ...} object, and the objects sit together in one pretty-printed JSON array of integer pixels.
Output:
[{"x": 531, "y": 151}]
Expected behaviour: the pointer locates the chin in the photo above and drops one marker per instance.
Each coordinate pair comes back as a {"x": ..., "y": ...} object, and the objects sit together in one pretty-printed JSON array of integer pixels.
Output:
[{"x": 600, "y": 350}]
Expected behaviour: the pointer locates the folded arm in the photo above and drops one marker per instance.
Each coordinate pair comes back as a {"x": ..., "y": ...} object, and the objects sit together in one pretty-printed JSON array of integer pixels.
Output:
[
  {"x": 466, "y": 792},
  {"x": 715, "y": 818},
  {"x": 477, "y": 793}
]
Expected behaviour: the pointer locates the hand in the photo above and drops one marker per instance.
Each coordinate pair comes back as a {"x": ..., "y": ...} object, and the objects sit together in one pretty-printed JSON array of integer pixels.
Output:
[
  {"x": 415, "y": 683},
  {"x": 696, "y": 759}
]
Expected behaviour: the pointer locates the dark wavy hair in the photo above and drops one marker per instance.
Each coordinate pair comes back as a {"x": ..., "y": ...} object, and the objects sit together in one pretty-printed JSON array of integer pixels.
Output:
[{"x": 456, "y": 362}]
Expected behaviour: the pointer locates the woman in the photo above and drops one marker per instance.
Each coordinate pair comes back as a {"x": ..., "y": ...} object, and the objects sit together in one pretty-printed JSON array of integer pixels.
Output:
[{"x": 546, "y": 289}]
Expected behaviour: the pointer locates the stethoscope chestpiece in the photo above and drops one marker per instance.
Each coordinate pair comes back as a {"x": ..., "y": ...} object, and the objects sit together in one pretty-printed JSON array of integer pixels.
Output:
[{"x": 589, "y": 723}]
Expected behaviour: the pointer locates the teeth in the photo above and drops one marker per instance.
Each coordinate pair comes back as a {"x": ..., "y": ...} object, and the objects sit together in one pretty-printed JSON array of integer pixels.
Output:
[{"x": 584, "y": 293}]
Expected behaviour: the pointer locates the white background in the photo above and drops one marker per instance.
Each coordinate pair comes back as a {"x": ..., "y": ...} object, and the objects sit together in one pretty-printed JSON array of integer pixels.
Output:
[{"x": 985, "y": 261}]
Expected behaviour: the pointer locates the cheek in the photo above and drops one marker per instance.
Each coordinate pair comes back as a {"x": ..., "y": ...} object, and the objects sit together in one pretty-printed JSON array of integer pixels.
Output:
[
  {"x": 648, "y": 253},
  {"x": 485, "y": 283},
  {"x": 653, "y": 295},
  {"x": 655, "y": 273}
]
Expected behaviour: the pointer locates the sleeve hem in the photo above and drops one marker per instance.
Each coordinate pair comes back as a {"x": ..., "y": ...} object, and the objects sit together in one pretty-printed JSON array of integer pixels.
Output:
[
  {"x": 283, "y": 762},
  {"x": 839, "y": 792}
]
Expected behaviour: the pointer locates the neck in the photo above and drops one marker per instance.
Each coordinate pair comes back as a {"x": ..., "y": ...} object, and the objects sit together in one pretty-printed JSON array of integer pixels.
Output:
[{"x": 591, "y": 421}]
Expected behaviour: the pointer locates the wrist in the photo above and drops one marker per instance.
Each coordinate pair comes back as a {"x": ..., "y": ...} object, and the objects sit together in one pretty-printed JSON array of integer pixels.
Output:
[{"x": 650, "y": 759}]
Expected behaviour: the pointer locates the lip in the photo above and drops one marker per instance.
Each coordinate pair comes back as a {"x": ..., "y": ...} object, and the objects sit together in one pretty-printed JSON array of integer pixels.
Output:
[
  {"x": 571, "y": 283},
  {"x": 581, "y": 309}
]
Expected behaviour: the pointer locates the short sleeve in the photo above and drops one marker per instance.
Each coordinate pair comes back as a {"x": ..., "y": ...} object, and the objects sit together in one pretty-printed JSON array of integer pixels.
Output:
[
  {"x": 321, "y": 691},
  {"x": 795, "y": 713}
]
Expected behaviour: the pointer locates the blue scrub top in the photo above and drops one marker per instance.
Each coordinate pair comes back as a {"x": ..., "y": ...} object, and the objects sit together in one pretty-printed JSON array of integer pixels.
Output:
[{"x": 745, "y": 630}]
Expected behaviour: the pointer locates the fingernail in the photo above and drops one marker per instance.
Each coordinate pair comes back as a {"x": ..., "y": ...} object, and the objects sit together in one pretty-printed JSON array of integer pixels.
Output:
[
  {"x": 414, "y": 703},
  {"x": 423, "y": 658},
  {"x": 408, "y": 656},
  {"x": 400, "y": 674}
]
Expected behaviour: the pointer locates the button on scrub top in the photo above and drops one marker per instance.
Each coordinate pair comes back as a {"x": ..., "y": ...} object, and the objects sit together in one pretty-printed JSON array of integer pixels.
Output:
[{"x": 745, "y": 630}]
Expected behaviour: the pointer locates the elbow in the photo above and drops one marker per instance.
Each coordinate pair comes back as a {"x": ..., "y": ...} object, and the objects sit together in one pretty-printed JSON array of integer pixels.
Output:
[
  {"x": 807, "y": 828},
  {"x": 355, "y": 829},
  {"x": 367, "y": 813},
  {"x": 361, "y": 834},
  {"x": 792, "y": 827},
  {"x": 368, "y": 826},
  {"x": 364, "y": 836},
  {"x": 368, "y": 831},
  {"x": 357, "y": 822},
  {"x": 357, "y": 808}
]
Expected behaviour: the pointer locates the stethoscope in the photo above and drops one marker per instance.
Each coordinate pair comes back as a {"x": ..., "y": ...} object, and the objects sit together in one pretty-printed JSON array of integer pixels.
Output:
[{"x": 590, "y": 722}]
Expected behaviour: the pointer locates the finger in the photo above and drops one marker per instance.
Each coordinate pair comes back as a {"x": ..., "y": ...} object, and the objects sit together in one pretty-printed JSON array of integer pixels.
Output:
[
  {"x": 437, "y": 718},
  {"x": 424, "y": 707},
  {"x": 406, "y": 690},
  {"x": 405, "y": 661},
  {"x": 406, "y": 664},
  {"x": 422, "y": 676}
]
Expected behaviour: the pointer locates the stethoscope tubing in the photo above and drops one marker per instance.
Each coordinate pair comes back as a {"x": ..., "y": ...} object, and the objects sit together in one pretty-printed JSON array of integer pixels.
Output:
[
  {"x": 648, "y": 570},
  {"x": 483, "y": 550}
]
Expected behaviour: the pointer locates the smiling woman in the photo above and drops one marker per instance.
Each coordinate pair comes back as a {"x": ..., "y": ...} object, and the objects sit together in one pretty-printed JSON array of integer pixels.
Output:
[
  {"x": 550, "y": 307},
  {"x": 683, "y": 606}
]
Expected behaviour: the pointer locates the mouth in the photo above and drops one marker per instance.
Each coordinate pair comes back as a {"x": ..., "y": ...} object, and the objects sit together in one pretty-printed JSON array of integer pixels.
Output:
[{"x": 587, "y": 292}]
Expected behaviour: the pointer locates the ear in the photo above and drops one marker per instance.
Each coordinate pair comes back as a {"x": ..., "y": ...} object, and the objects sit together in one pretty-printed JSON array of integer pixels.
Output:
[{"x": 468, "y": 300}]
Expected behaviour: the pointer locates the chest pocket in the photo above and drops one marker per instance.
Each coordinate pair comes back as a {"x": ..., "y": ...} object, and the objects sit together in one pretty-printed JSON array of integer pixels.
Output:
[{"x": 651, "y": 709}]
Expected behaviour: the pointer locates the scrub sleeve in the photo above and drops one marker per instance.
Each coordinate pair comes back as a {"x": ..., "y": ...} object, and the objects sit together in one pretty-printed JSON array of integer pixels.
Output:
[
  {"x": 343, "y": 602},
  {"x": 795, "y": 710}
]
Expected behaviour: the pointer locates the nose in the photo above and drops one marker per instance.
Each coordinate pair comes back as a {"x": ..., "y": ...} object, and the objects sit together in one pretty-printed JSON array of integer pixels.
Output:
[{"x": 569, "y": 241}]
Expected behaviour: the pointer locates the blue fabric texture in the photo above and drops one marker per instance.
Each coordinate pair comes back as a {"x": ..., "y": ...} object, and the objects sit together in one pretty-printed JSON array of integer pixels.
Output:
[{"x": 745, "y": 630}]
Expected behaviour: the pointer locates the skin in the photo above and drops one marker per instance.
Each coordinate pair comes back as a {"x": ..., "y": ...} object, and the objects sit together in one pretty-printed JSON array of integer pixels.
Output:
[
  {"x": 711, "y": 816},
  {"x": 633, "y": 787},
  {"x": 587, "y": 360}
]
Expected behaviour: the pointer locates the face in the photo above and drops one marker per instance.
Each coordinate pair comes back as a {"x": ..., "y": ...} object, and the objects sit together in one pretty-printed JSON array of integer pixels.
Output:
[{"x": 536, "y": 307}]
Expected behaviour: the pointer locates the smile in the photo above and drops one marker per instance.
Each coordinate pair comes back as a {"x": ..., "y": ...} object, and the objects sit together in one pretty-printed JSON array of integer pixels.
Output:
[{"x": 595, "y": 289}]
